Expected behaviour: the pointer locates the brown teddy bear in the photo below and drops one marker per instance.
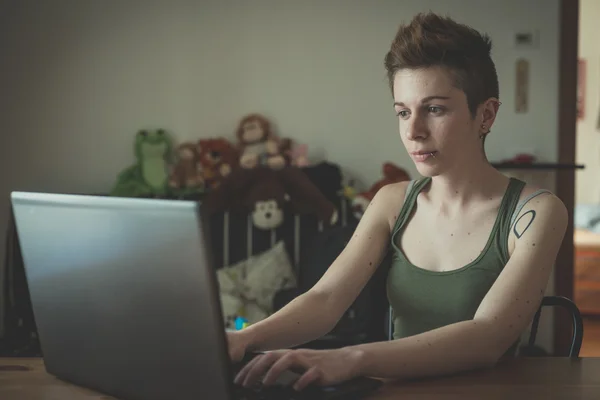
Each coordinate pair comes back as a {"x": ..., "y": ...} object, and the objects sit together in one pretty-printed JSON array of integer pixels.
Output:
[
  {"x": 185, "y": 174},
  {"x": 217, "y": 158}
]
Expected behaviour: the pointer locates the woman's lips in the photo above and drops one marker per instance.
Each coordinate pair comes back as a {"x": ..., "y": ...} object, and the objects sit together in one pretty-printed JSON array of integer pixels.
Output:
[{"x": 421, "y": 156}]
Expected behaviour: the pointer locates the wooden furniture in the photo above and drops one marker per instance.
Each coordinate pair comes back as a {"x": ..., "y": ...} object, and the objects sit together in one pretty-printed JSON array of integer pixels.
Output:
[
  {"x": 587, "y": 271},
  {"x": 536, "y": 166},
  {"x": 520, "y": 378}
]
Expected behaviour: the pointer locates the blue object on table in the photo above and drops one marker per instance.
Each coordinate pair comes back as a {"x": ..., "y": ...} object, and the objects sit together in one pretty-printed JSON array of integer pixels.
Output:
[{"x": 240, "y": 323}]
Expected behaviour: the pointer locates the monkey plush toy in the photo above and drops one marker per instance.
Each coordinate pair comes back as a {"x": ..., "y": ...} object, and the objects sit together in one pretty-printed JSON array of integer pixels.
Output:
[
  {"x": 258, "y": 146},
  {"x": 267, "y": 195}
]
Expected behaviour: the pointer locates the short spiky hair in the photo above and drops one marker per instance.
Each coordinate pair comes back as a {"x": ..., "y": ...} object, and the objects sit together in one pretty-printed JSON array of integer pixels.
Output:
[{"x": 430, "y": 40}]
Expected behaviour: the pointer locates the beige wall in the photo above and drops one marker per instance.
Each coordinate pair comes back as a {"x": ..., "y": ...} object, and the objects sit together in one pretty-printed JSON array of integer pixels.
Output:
[
  {"x": 587, "y": 188},
  {"x": 78, "y": 78}
]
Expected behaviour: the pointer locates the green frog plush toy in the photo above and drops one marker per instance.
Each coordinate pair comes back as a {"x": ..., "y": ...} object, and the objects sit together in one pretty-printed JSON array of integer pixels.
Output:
[{"x": 148, "y": 177}]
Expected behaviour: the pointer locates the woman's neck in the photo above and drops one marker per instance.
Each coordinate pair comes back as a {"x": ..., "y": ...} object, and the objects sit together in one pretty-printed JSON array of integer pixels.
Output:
[{"x": 459, "y": 188}]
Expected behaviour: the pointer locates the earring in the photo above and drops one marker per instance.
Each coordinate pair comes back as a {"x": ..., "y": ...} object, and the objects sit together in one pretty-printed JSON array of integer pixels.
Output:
[{"x": 484, "y": 127}]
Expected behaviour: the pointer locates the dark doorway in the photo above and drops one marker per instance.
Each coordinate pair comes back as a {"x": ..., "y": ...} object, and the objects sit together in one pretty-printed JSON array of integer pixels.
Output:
[{"x": 565, "y": 178}]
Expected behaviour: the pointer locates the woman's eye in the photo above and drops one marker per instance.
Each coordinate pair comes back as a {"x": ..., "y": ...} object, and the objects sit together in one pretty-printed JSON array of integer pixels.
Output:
[
  {"x": 435, "y": 110},
  {"x": 402, "y": 113}
]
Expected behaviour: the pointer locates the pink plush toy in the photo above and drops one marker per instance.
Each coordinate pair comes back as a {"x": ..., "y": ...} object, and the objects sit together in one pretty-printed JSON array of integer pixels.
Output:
[{"x": 299, "y": 155}]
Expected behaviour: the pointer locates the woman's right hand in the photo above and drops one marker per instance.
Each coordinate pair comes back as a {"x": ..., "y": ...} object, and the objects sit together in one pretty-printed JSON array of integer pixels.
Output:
[{"x": 237, "y": 345}]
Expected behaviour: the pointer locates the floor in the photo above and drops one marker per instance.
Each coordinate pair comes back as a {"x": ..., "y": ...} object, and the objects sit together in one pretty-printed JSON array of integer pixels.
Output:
[{"x": 591, "y": 337}]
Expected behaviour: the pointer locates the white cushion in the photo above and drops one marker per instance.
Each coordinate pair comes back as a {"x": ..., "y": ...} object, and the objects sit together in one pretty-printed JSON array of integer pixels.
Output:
[{"x": 248, "y": 287}]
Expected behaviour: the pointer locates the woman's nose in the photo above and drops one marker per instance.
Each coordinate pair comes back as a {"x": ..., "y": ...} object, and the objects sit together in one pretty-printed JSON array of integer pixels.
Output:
[{"x": 416, "y": 128}]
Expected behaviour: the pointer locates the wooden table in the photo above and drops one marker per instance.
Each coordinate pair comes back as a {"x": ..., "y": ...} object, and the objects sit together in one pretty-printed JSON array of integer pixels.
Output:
[{"x": 526, "y": 378}]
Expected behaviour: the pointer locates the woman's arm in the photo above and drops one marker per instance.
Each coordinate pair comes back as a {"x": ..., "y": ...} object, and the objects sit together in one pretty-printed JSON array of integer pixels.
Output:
[
  {"x": 505, "y": 312},
  {"x": 316, "y": 312}
]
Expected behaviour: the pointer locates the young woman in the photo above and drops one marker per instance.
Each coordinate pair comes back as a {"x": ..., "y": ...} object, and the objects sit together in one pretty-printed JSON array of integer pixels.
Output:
[{"x": 473, "y": 249}]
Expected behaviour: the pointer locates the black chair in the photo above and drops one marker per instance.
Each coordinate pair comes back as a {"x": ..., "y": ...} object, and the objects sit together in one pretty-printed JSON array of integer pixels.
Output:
[
  {"x": 546, "y": 301},
  {"x": 570, "y": 306}
]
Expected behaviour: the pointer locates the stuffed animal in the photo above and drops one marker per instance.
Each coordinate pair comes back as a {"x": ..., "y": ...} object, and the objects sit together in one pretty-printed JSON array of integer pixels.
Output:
[
  {"x": 148, "y": 177},
  {"x": 267, "y": 201},
  {"x": 268, "y": 194},
  {"x": 305, "y": 197},
  {"x": 349, "y": 190},
  {"x": 391, "y": 174},
  {"x": 185, "y": 174},
  {"x": 299, "y": 155},
  {"x": 217, "y": 157},
  {"x": 257, "y": 144}
]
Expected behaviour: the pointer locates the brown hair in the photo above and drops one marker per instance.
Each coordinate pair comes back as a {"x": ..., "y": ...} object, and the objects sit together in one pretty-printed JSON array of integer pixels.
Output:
[{"x": 430, "y": 40}]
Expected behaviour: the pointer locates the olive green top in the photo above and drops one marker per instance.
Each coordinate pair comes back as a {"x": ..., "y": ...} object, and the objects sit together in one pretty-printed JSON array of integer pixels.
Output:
[{"x": 423, "y": 300}]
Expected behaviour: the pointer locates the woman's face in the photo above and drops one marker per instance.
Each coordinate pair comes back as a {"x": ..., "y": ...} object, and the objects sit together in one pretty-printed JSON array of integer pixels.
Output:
[{"x": 435, "y": 123}]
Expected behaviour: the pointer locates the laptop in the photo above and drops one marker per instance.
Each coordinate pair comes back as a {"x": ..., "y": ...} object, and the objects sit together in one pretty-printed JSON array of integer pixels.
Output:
[{"x": 126, "y": 301}]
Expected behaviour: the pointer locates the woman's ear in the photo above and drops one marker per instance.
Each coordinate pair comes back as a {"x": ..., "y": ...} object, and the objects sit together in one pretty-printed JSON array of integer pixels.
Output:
[{"x": 487, "y": 115}]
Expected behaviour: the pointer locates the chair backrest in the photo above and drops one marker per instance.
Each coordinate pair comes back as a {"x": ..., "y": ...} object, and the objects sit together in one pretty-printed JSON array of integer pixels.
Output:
[{"x": 559, "y": 301}]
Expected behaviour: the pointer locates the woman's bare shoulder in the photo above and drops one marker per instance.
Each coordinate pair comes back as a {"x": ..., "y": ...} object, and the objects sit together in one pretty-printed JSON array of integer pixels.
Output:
[
  {"x": 390, "y": 199},
  {"x": 393, "y": 190},
  {"x": 534, "y": 201},
  {"x": 539, "y": 193}
]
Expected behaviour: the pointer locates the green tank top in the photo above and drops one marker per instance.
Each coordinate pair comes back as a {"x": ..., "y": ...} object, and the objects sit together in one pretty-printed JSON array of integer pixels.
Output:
[{"x": 423, "y": 300}]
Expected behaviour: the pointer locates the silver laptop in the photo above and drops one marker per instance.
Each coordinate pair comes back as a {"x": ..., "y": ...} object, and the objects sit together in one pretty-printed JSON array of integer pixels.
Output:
[
  {"x": 126, "y": 301},
  {"x": 124, "y": 295}
]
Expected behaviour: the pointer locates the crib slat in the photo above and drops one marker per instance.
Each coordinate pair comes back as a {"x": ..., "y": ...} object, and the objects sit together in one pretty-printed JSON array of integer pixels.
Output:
[
  {"x": 249, "y": 227},
  {"x": 297, "y": 242},
  {"x": 226, "y": 238}
]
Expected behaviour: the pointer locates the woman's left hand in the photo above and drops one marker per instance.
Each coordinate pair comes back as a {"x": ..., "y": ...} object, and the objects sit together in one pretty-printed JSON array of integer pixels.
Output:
[{"x": 320, "y": 367}]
